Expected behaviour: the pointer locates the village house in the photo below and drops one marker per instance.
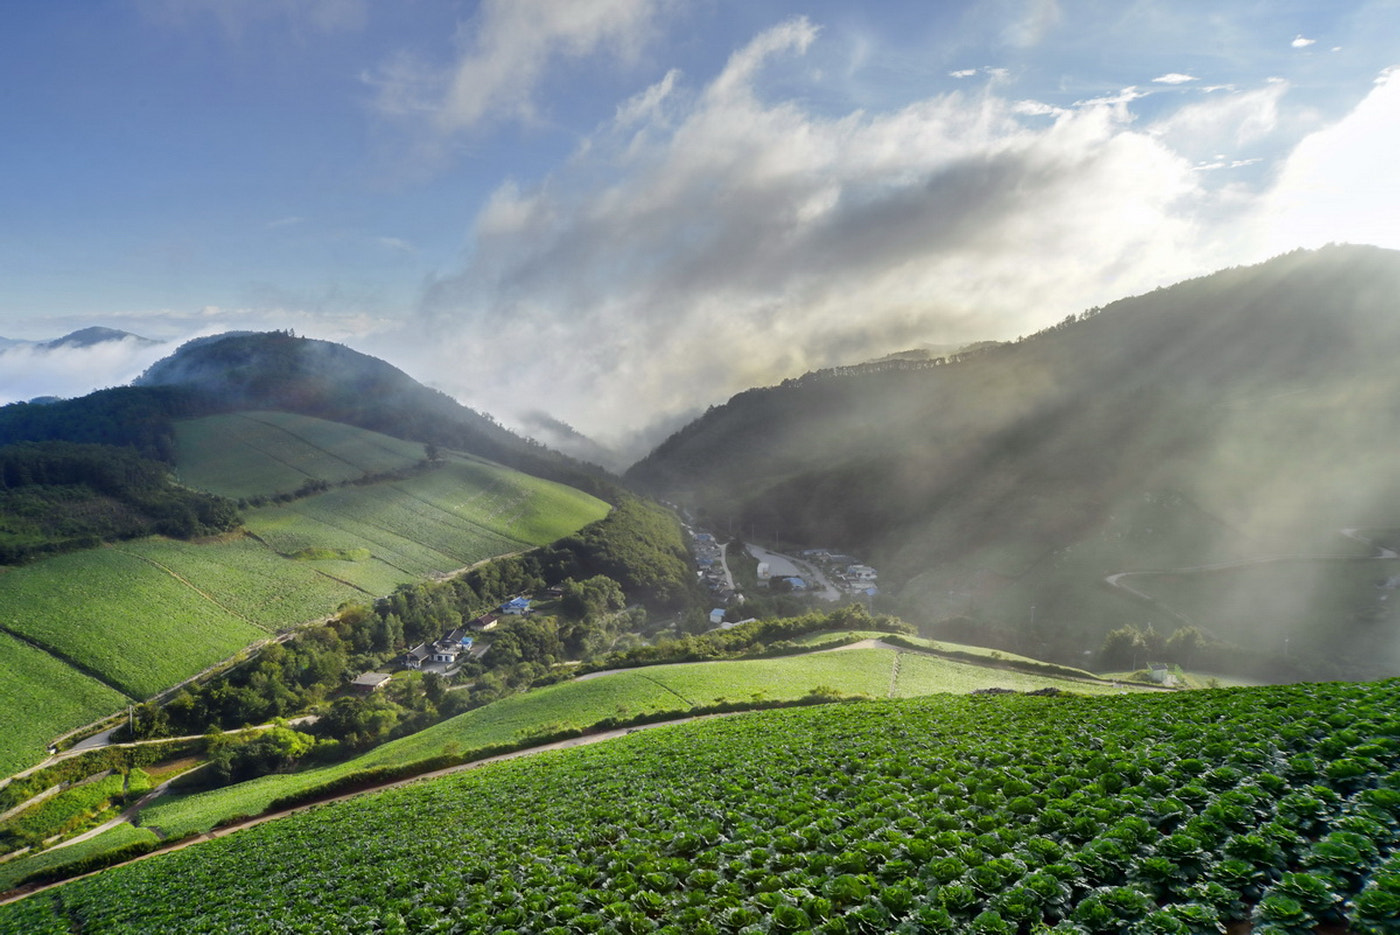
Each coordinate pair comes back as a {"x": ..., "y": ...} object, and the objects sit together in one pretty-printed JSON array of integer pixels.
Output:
[
  {"x": 415, "y": 657},
  {"x": 483, "y": 623}
]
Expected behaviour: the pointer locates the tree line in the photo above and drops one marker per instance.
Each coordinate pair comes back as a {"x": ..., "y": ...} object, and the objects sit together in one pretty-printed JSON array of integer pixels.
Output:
[{"x": 59, "y": 496}]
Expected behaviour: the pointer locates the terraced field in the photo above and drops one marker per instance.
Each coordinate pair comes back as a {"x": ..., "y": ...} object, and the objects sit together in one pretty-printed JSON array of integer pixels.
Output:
[
  {"x": 133, "y": 625},
  {"x": 428, "y": 524}
]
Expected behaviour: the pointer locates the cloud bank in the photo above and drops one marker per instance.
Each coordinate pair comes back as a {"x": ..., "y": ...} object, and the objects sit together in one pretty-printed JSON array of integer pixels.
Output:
[
  {"x": 28, "y": 371},
  {"x": 710, "y": 238}
]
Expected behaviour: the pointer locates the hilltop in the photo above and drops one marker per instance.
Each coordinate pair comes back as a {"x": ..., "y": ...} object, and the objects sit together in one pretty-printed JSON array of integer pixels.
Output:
[
  {"x": 1243, "y": 415},
  {"x": 277, "y": 370}
]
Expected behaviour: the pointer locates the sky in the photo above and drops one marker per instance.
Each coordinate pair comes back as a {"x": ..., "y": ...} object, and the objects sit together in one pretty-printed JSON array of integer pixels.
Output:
[{"x": 621, "y": 212}]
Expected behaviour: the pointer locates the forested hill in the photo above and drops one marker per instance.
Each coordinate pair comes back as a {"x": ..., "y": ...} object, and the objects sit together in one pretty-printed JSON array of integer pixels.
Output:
[
  {"x": 1248, "y": 412},
  {"x": 277, "y": 370}
]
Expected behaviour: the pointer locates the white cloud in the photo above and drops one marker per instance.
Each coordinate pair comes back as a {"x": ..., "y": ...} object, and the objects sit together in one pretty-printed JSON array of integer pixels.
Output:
[
  {"x": 748, "y": 239},
  {"x": 1340, "y": 183},
  {"x": 29, "y": 371},
  {"x": 962, "y": 73},
  {"x": 1174, "y": 77},
  {"x": 505, "y": 54},
  {"x": 1125, "y": 96},
  {"x": 1299, "y": 42},
  {"x": 1223, "y": 123}
]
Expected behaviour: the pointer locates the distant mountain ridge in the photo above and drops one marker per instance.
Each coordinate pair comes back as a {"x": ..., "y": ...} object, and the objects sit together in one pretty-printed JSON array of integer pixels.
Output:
[
  {"x": 1245, "y": 413},
  {"x": 279, "y": 371},
  {"x": 84, "y": 337}
]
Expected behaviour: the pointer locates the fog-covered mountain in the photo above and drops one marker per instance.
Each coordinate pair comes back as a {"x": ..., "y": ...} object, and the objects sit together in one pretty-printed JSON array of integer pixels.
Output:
[{"x": 1244, "y": 415}]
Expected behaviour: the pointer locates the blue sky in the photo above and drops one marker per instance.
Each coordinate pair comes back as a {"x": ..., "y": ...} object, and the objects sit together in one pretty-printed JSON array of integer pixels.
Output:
[{"x": 622, "y": 211}]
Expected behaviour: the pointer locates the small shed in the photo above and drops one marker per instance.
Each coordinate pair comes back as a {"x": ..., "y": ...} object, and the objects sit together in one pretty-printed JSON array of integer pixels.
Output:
[{"x": 370, "y": 682}]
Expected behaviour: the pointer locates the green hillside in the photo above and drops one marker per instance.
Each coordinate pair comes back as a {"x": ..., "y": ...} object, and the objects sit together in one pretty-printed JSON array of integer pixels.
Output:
[
  {"x": 143, "y": 615},
  {"x": 1175, "y": 813},
  {"x": 618, "y": 696},
  {"x": 43, "y": 697},
  {"x": 251, "y": 454},
  {"x": 1242, "y": 416}
]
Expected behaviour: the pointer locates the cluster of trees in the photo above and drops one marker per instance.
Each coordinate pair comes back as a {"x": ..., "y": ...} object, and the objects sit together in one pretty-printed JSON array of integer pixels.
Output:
[
  {"x": 640, "y": 546},
  {"x": 1132, "y": 647},
  {"x": 57, "y": 496},
  {"x": 142, "y": 418}
]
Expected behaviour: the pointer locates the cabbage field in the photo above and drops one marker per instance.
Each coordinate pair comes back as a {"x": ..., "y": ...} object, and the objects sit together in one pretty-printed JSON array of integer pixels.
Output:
[
  {"x": 1139, "y": 814},
  {"x": 249, "y": 454}
]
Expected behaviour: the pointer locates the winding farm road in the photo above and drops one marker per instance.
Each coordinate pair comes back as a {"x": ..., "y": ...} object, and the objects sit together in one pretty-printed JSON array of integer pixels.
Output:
[{"x": 1116, "y": 580}]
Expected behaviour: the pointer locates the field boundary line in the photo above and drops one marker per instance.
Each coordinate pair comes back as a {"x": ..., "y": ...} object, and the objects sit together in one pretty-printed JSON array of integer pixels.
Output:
[
  {"x": 70, "y": 662},
  {"x": 667, "y": 688},
  {"x": 307, "y": 442},
  {"x": 190, "y": 584},
  {"x": 434, "y": 508}
]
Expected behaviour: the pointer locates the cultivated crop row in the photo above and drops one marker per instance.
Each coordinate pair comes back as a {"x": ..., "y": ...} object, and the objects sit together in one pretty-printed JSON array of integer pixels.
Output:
[
  {"x": 262, "y": 453},
  {"x": 45, "y": 697},
  {"x": 1138, "y": 814},
  {"x": 116, "y": 614}
]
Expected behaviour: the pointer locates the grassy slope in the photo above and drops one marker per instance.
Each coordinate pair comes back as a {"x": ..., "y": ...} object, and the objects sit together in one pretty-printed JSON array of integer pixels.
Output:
[
  {"x": 147, "y": 614},
  {"x": 246, "y": 454},
  {"x": 120, "y": 836},
  {"x": 622, "y": 694},
  {"x": 433, "y": 523},
  {"x": 52, "y": 697},
  {"x": 138, "y": 625}
]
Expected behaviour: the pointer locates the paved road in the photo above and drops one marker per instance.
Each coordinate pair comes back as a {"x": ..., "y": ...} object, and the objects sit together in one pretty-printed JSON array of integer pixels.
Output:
[{"x": 783, "y": 566}]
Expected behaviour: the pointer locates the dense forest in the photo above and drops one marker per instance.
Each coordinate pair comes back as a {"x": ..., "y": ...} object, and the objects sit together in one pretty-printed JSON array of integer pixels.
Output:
[
  {"x": 141, "y": 418},
  {"x": 60, "y": 496}
]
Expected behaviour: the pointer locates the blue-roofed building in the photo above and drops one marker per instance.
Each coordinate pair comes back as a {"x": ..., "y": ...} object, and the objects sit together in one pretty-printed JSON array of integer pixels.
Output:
[{"x": 516, "y": 605}]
